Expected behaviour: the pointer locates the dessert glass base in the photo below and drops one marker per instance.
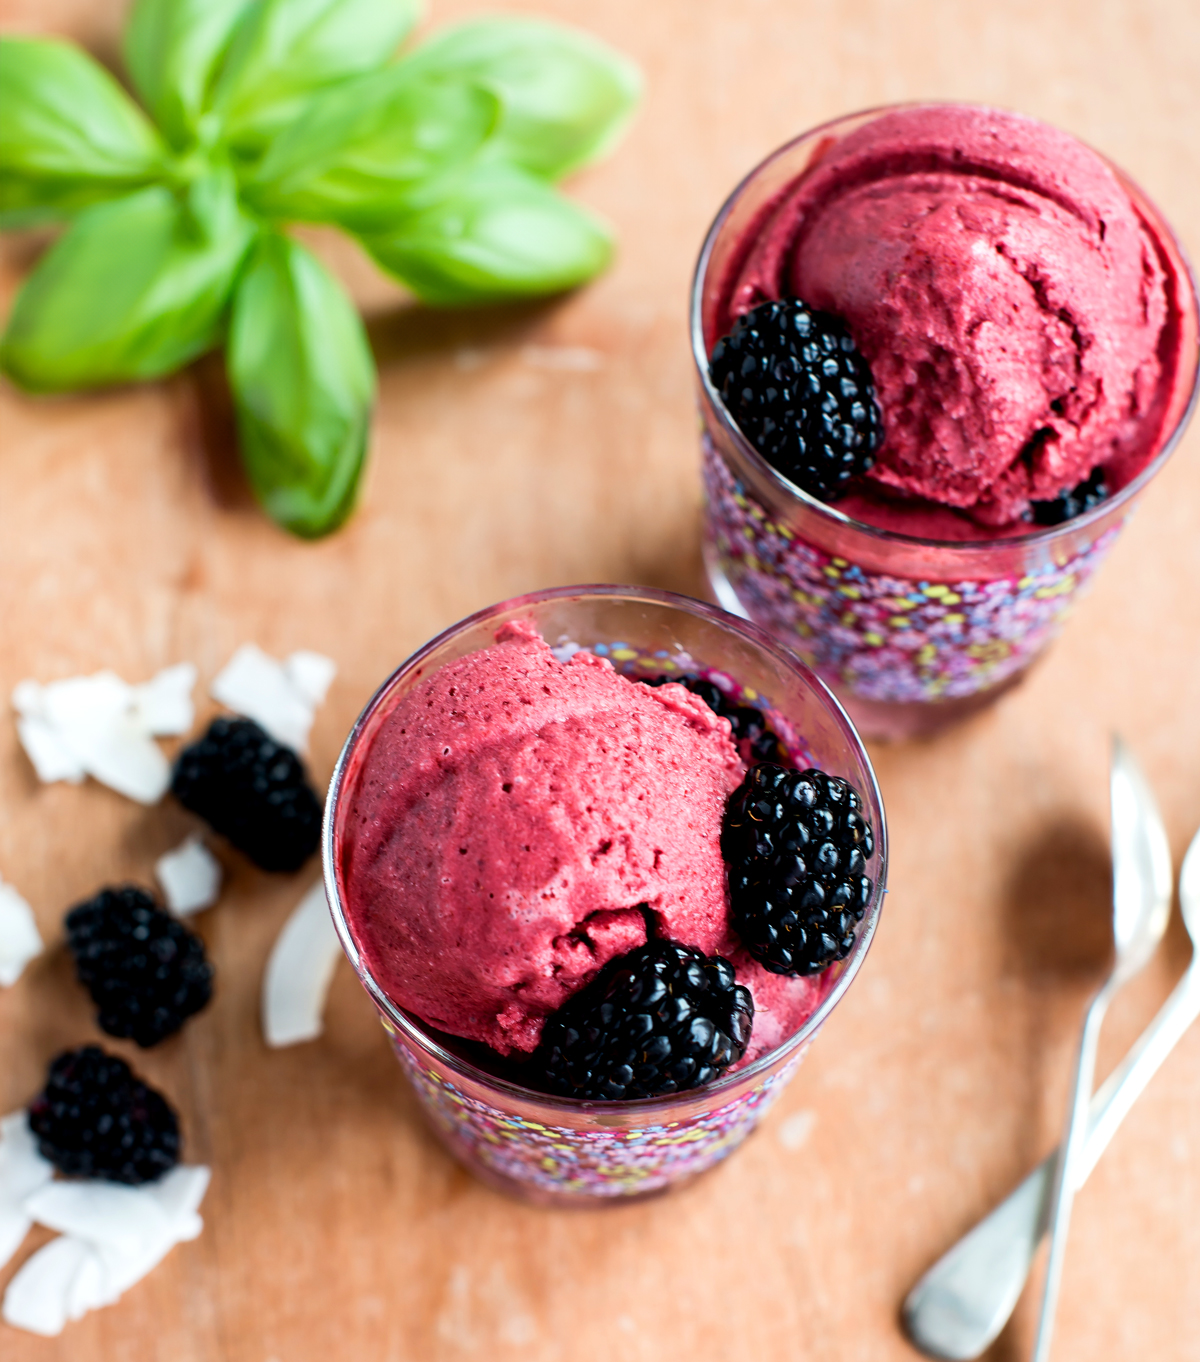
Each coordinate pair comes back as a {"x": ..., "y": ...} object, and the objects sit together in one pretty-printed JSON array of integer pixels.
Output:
[
  {"x": 886, "y": 720},
  {"x": 556, "y": 1153},
  {"x": 562, "y": 1151},
  {"x": 911, "y": 633}
]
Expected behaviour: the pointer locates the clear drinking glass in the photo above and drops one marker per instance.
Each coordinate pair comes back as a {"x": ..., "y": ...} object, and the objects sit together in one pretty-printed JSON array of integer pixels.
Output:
[
  {"x": 562, "y": 1151},
  {"x": 911, "y": 633}
]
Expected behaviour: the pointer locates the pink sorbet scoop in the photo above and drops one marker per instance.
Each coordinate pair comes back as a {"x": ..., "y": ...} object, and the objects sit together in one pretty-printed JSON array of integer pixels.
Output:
[
  {"x": 1001, "y": 285},
  {"x": 518, "y": 821}
]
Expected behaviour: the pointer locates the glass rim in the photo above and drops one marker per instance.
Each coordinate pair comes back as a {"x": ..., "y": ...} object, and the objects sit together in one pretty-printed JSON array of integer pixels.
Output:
[
  {"x": 1046, "y": 534},
  {"x": 646, "y": 1107}
]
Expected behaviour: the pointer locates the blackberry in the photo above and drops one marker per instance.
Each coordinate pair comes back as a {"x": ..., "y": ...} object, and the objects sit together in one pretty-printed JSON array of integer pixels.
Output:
[
  {"x": 146, "y": 972},
  {"x": 97, "y": 1119},
  {"x": 755, "y": 738},
  {"x": 662, "y": 1018},
  {"x": 253, "y": 790},
  {"x": 794, "y": 382},
  {"x": 1090, "y": 492},
  {"x": 796, "y": 846}
]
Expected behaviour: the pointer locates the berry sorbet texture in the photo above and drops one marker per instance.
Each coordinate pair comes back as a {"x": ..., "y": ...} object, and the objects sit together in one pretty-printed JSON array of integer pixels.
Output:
[
  {"x": 999, "y": 281},
  {"x": 517, "y": 821}
]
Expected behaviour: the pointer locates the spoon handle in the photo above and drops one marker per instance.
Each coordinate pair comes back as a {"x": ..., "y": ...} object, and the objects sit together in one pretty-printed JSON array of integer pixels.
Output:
[
  {"x": 1122, "y": 1088},
  {"x": 1066, "y": 1166},
  {"x": 960, "y": 1305}
]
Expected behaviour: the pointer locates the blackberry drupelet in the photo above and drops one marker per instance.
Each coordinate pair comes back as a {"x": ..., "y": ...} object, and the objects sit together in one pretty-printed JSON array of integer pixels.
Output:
[
  {"x": 794, "y": 382},
  {"x": 658, "y": 1020},
  {"x": 1090, "y": 492},
  {"x": 96, "y": 1119},
  {"x": 146, "y": 972},
  {"x": 755, "y": 738},
  {"x": 253, "y": 790},
  {"x": 796, "y": 846}
]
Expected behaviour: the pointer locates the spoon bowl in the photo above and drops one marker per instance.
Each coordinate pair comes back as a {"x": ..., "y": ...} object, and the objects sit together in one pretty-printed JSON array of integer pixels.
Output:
[
  {"x": 1141, "y": 868},
  {"x": 1189, "y": 893}
]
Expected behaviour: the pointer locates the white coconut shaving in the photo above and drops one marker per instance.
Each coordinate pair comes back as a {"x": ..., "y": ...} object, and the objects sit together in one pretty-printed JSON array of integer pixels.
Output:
[
  {"x": 100, "y": 1212},
  {"x": 22, "y": 1172},
  {"x": 299, "y": 973},
  {"x": 20, "y": 939},
  {"x": 163, "y": 705},
  {"x": 52, "y": 758},
  {"x": 190, "y": 877},
  {"x": 102, "y": 726},
  {"x": 110, "y": 1237},
  {"x": 61, "y": 1281},
  {"x": 311, "y": 674},
  {"x": 281, "y": 697}
]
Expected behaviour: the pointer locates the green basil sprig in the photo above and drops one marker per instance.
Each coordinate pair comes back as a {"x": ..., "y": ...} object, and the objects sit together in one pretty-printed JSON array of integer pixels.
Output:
[{"x": 442, "y": 163}]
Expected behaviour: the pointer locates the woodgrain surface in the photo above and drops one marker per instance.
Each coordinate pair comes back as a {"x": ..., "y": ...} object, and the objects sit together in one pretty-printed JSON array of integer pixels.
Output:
[{"x": 551, "y": 444}]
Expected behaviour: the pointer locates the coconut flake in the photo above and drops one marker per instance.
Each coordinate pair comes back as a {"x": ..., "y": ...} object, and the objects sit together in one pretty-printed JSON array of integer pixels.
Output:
[
  {"x": 299, "y": 972},
  {"x": 22, "y": 1171},
  {"x": 94, "y": 717},
  {"x": 190, "y": 877},
  {"x": 83, "y": 702},
  {"x": 122, "y": 756},
  {"x": 179, "y": 1194},
  {"x": 255, "y": 685},
  {"x": 101, "y": 726},
  {"x": 176, "y": 1198},
  {"x": 281, "y": 697},
  {"x": 311, "y": 674},
  {"x": 101, "y": 1212},
  {"x": 114, "y": 1236},
  {"x": 22, "y": 1168},
  {"x": 51, "y": 757},
  {"x": 20, "y": 940},
  {"x": 14, "y": 1226},
  {"x": 90, "y": 1287},
  {"x": 40, "y": 1295},
  {"x": 163, "y": 705}
]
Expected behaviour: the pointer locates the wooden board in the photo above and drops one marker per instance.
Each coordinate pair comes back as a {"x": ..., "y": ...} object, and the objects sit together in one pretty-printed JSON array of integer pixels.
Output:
[{"x": 557, "y": 443}]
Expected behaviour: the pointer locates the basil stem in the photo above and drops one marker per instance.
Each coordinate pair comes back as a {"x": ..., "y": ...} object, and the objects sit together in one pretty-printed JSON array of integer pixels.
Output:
[
  {"x": 133, "y": 289},
  {"x": 69, "y": 135},
  {"x": 303, "y": 381}
]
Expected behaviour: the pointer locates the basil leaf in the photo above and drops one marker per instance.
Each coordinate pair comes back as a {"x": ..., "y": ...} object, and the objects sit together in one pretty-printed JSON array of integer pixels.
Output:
[
  {"x": 566, "y": 97},
  {"x": 172, "y": 49},
  {"x": 132, "y": 290},
  {"x": 69, "y": 135},
  {"x": 286, "y": 49},
  {"x": 490, "y": 233},
  {"x": 360, "y": 146},
  {"x": 303, "y": 381}
]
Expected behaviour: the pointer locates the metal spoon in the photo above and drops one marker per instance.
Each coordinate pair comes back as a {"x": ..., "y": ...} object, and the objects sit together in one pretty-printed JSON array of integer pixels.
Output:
[{"x": 960, "y": 1305}]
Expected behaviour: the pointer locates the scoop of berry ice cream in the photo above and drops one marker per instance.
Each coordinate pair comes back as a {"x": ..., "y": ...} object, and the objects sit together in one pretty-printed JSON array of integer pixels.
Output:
[
  {"x": 517, "y": 821},
  {"x": 998, "y": 280}
]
